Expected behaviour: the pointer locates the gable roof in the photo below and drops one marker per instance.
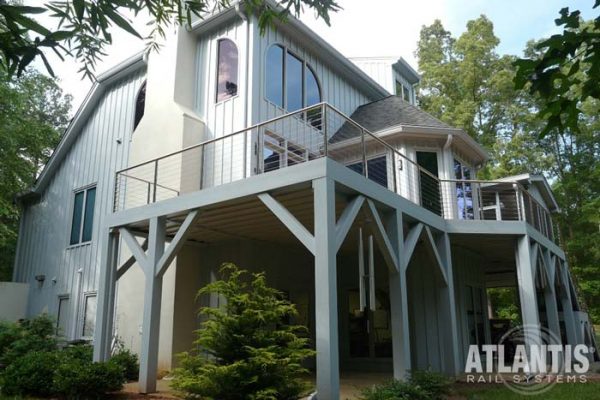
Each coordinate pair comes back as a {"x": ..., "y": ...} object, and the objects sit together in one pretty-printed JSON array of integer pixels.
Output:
[{"x": 103, "y": 81}]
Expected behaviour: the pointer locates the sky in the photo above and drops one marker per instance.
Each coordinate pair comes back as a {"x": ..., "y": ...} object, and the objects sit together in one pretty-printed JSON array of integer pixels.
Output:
[{"x": 376, "y": 28}]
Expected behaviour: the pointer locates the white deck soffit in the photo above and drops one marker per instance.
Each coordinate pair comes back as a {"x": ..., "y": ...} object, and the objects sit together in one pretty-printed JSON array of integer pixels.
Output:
[
  {"x": 470, "y": 145},
  {"x": 103, "y": 81},
  {"x": 310, "y": 40}
]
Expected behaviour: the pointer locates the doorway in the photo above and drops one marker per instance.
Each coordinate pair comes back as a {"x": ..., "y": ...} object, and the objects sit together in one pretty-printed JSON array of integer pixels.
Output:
[{"x": 429, "y": 185}]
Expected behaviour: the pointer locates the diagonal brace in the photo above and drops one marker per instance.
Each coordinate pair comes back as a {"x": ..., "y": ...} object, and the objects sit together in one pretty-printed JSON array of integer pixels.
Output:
[
  {"x": 136, "y": 250},
  {"x": 346, "y": 220},
  {"x": 177, "y": 243},
  {"x": 382, "y": 238},
  {"x": 130, "y": 261}
]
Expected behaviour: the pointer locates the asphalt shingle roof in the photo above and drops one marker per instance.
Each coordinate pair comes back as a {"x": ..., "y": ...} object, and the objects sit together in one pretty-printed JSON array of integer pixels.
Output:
[{"x": 386, "y": 113}]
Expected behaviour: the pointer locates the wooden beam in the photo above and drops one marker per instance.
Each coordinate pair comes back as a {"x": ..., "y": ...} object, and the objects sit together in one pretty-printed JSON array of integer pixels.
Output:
[
  {"x": 289, "y": 221},
  {"x": 411, "y": 242},
  {"x": 382, "y": 238},
  {"x": 130, "y": 261},
  {"x": 346, "y": 220},
  {"x": 136, "y": 250},
  {"x": 436, "y": 254},
  {"x": 177, "y": 243}
]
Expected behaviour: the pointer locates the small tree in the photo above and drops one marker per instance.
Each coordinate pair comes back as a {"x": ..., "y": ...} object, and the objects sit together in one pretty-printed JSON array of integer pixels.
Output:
[{"x": 247, "y": 348}]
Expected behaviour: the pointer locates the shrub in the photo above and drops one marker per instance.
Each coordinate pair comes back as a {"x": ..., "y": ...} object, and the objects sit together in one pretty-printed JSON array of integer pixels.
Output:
[
  {"x": 128, "y": 361},
  {"x": 394, "y": 390},
  {"x": 434, "y": 384},
  {"x": 18, "y": 339},
  {"x": 248, "y": 351},
  {"x": 78, "y": 379},
  {"x": 30, "y": 375}
]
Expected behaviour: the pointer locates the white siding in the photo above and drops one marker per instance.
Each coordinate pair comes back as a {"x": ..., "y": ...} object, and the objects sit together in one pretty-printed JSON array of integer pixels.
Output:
[{"x": 44, "y": 239}]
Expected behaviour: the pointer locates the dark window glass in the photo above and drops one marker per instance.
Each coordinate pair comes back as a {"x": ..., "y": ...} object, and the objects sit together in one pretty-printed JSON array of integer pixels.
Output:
[
  {"x": 313, "y": 92},
  {"x": 227, "y": 70},
  {"x": 398, "y": 88},
  {"x": 140, "y": 105},
  {"x": 88, "y": 220},
  {"x": 274, "y": 75},
  {"x": 405, "y": 93},
  {"x": 377, "y": 168},
  {"x": 430, "y": 189},
  {"x": 77, "y": 217},
  {"x": 294, "y": 78}
]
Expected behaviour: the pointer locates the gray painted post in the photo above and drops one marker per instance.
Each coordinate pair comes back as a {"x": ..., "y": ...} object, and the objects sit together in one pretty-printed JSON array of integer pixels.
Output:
[
  {"x": 527, "y": 291},
  {"x": 550, "y": 295},
  {"x": 399, "y": 300},
  {"x": 152, "y": 302},
  {"x": 106, "y": 296},
  {"x": 448, "y": 309},
  {"x": 326, "y": 318},
  {"x": 567, "y": 306}
]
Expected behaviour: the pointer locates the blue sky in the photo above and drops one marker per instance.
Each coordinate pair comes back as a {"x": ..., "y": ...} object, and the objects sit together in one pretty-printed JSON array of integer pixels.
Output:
[{"x": 383, "y": 28}]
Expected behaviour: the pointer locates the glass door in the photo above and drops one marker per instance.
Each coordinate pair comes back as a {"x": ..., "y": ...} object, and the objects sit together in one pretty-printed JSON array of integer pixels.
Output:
[{"x": 429, "y": 186}]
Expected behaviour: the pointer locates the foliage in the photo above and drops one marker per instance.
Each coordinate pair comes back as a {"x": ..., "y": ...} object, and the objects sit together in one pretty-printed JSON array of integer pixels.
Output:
[
  {"x": 78, "y": 378},
  {"x": 434, "y": 384},
  {"x": 31, "y": 374},
  {"x": 33, "y": 113},
  {"x": 554, "y": 75},
  {"x": 18, "y": 339},
  {"x": 128, "y": 361},
  {"x": 248, "y": 350},
  {"x": 85, "y": 26},
  {"x": 466, "y": 84},
  {"x": 421, "y": 385},
  {"x": 35, "y": 366},
  {"x": 505, "y": 302}
]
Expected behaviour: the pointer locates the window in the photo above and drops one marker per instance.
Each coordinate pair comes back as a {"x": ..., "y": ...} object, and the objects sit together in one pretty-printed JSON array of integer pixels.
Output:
[
  {"x": 83, "y": 216},
  {"x": 140, "y": 105},
  {"x": 377, "y": 168},
  {"x": 290, "y": 82},
  {"x": 62, "y": 319},
  {"x": 464, "y": 191},
  {"x": 430, "y": 186},
  {"x": 402, "y": 91},
  {"x": 227, "y": 70},
  {"x": 89, "y": 322}
]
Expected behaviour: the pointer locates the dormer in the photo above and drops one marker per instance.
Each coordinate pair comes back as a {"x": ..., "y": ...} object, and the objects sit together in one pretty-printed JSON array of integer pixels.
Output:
[{"x": 394, "y": 74}]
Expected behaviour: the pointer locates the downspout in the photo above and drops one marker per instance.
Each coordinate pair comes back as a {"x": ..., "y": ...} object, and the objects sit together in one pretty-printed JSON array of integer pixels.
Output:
[
  {"x": 245, "y": 18},
  {"x": 449, "y": 191}
]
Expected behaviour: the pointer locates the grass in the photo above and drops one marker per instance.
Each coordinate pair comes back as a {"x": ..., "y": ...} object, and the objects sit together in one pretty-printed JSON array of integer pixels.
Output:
[{"x": 561, "y": 391}]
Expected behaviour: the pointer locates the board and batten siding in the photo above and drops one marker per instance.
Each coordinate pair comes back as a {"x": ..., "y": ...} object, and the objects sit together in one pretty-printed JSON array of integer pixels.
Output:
[{"x": 101, "y": 148}]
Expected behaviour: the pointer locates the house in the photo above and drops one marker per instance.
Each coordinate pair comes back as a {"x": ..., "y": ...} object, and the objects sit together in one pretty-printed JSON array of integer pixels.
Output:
[{"x": 278, "y": 153}]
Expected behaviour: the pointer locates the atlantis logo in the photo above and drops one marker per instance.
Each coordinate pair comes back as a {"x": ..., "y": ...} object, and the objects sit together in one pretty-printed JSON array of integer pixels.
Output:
[{"x": 528, "y": 360}]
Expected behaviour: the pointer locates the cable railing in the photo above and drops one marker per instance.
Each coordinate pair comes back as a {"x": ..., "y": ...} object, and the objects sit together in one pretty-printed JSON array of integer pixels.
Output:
[{"x": 315, "y": 132}]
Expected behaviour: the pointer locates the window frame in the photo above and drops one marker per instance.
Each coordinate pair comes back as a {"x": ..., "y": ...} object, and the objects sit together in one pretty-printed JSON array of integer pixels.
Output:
[
  {"x": 60, "y": 298},
  {"x": 216, "y": 92},
  {"x": 81, "y": 329},
  {"x": 305, "y": 66},
  {"x": 83, "y": 213}
]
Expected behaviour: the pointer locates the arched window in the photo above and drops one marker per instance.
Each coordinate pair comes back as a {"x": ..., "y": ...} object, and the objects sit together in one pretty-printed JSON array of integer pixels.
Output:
[
  {"x": 227, "y": 69},
  {"x": 291, "y": 83},
  {"x": 140, "y": 105}
]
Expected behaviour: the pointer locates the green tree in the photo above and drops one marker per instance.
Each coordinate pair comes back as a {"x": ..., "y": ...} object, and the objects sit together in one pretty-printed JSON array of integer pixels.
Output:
[
  {"x": 33, "y": 113},
  {"x": 465, "y": 83},
  {"x": 85, "y": 26},
  {"x": 248, "y": 349},
  {"x": 554, "y": 74}
]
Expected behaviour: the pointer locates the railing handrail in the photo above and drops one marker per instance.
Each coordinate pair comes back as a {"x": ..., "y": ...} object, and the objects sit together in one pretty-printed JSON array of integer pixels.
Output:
[{"x": 216, "y": 139}]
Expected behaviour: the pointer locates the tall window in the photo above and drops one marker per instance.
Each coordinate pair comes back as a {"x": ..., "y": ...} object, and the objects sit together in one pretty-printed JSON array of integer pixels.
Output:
[
  {"x": 464, "y": 191},
  {"x": 377, "y": 168},
  {"x": 290, "y": 82},
  {"x": 227, "y": 70},
  {"x": 83, "y": 216},
  {"x": 62, "y": 319},
  {"x": 402, "y": 91},
  {"x": 140, "y": 105},
  {"x": 89, "y": 322}
]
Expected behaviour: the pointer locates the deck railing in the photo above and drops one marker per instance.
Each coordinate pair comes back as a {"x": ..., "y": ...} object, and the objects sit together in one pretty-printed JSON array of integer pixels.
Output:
[{"x": 311, "y": 133}]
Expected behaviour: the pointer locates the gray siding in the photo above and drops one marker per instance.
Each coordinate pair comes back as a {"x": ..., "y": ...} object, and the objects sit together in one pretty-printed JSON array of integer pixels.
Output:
[{"x": 44, "y": 239}]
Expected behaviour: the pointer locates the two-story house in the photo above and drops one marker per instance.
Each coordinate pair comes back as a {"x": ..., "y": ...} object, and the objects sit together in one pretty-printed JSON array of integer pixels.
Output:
[{"x": 278, "y": 153}]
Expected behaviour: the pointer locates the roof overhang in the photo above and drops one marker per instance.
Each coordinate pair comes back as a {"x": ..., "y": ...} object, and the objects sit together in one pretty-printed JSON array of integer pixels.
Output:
[
  {"x": 467, "y": 144},
  {"x": 103, "y": 81},
  {"x": 541, "y": 183},
  {"x": 407, "y": 71},
  {"x": 298, "y": 31}
]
